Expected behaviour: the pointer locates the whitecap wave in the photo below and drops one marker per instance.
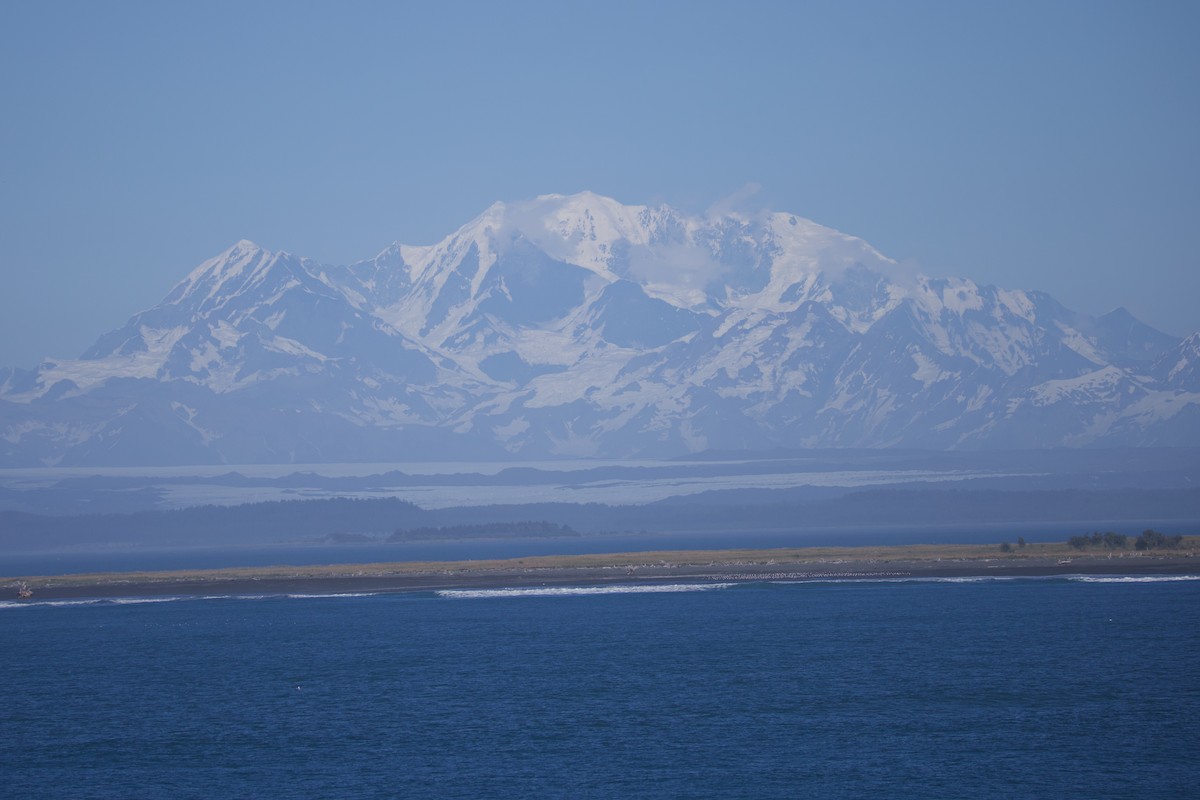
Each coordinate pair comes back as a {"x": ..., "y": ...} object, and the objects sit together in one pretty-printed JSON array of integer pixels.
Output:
[
  {"x": 45, "y": 603},
  {"x": 133, "y": 601},
  {"x": 575, "y": 591},
  {"x": 1133, "y": 578},
  {"x": 921, "y": 579},
  {"x": 136, "y": 601},
  {"x": 91, "y": 601},
  {"x": 1000, "y": 578}
]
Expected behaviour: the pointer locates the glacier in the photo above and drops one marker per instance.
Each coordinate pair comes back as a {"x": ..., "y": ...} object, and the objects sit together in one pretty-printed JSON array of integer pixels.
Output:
[{"x": 576, "y": 326}]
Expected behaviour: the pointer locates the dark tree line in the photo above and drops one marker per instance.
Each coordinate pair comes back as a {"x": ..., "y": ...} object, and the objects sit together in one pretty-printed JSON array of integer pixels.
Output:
[{"x": 1148, "y": 540}]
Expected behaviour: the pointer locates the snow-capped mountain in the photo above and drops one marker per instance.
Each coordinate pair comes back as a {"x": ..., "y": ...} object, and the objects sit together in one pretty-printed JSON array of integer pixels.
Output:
[{"x": 574, "y": 325}]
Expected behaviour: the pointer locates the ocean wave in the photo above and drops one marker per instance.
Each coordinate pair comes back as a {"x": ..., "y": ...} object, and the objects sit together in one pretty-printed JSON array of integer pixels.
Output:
[
  {"x": 91, "y": 601},
  {"x": 137, "y": 601},
  {"x": 132, "y": 601},
  {"x": 575, "y": 591},
  {"x": 1133, "y": 578},
  {"x": 920, "y": 579},
  {"x": 1004, "y": 578}
]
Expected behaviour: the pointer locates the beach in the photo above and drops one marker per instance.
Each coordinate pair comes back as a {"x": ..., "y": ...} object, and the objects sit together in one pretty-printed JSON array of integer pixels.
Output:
[{"x": 784, "y": 564}]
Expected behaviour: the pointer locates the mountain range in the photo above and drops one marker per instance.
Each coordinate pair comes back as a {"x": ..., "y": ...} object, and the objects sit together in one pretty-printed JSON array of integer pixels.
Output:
[{"x": 578, "y": 326}]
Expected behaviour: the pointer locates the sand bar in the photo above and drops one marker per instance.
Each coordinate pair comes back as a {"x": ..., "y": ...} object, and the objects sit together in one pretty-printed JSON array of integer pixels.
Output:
[{"x": 843, "y": 563}]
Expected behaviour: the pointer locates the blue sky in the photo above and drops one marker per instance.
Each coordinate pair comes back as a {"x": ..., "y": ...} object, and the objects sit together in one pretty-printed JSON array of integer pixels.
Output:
[{"x": 1047, "y": 145}]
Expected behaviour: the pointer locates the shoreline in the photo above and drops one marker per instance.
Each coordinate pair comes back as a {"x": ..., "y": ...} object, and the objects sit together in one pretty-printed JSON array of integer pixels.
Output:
[{"x": 791, "y": 564}]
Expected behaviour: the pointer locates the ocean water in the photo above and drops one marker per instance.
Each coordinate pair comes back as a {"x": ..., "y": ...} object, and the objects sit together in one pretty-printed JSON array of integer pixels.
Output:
[{"x": 1030, "y": 688}]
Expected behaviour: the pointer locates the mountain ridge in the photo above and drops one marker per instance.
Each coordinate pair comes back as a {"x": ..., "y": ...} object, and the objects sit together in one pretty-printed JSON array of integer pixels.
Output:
[{"x": 572, "y": 325}]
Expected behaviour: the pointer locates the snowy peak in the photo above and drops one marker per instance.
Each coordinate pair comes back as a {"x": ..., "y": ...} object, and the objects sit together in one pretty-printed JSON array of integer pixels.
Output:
[
  {"x": 809, "y": 246},
  {"x": 581, "y": 228},
  {"x": 1180, "y": 366},
  {"x": 576, "y": 229},
  {"x": 702, "y": 263},
  {"x": 576, "y": 325},
  {"x": 238, "y": 263}
]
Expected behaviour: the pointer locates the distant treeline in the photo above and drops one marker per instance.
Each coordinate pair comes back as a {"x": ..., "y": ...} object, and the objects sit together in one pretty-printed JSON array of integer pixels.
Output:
[
  {"x": 1149, "y": 539},
  {"x": 751, "y": 510}
]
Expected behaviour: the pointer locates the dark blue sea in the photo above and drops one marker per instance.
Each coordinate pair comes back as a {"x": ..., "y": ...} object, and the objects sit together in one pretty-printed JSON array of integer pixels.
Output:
[{"x": 1024, "y": 688}]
